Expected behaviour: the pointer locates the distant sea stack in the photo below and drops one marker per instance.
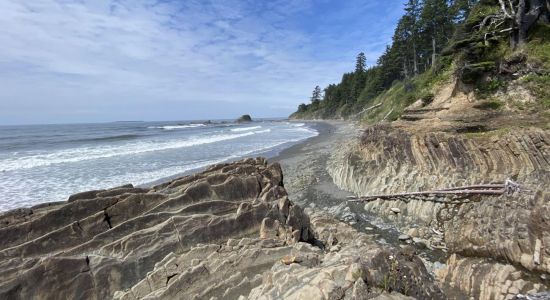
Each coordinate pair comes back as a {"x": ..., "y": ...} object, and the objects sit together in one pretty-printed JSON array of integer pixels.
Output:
[{"x": 244, "y": 119}]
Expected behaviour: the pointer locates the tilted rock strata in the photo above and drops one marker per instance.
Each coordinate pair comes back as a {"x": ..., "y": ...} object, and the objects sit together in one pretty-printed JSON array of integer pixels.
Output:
[
  {"x": 350, "y": 266},
  {"x": 513, "y": 229},
  {"x": 486, "y": 280},
  {"x": 353, "y": 267},
  {"x": 102, "y": 241},
  {"x": 226, "y": 233},
  {"x": 389, "y": 160}
]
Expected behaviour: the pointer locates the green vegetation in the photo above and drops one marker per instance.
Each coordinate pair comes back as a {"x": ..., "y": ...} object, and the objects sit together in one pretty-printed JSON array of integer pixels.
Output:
[
  {"x": 403, "y": 93},
  {"x": 485, "y": 88},
  {"x": 489, "y": 105},
  {"x": 538, "y": 51},
  {"x": 400, "y": 73},
  {"x": 422, "y": 56},
  {"x": 538, "y": 48},
  {"x": 539, "y": 85}
]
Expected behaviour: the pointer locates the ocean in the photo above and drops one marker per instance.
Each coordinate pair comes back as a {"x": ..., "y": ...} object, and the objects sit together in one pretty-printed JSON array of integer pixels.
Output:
[{"x": 43, "y": 163}]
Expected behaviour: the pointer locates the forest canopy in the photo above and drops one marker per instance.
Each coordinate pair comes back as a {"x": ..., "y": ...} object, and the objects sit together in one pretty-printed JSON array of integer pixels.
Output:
[{"x": 424, "y": 40}]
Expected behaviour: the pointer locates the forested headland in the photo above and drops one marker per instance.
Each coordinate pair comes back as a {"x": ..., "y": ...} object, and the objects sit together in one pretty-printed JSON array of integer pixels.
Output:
[{"x": 474, "y": 41}]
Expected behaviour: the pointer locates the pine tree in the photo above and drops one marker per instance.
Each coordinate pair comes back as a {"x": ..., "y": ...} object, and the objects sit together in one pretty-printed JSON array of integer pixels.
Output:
[
  {"x": 437, "y": 25},
  {"x": 413, "y": 9},
  {"x": 460, "y": 9},
  {"x": 316, "y": 96},
  {"x": 360, "y": 63}
]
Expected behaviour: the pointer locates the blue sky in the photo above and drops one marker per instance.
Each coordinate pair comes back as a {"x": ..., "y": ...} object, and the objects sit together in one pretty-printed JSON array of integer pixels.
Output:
[{"x": 67, "y": 61}]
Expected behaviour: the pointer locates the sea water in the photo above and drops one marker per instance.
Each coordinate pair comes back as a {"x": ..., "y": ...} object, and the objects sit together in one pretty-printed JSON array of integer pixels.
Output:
[{"x": 42, "y": 163}]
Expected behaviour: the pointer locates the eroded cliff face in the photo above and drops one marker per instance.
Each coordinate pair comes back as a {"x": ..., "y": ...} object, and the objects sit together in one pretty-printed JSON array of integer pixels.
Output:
[
  {"x": 500, "y": 244},
  {"x": 226, "y": 233}
]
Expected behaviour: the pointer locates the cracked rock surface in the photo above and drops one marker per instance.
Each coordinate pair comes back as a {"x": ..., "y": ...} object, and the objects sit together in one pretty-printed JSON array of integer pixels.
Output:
[{"x": 230, "y": 232}]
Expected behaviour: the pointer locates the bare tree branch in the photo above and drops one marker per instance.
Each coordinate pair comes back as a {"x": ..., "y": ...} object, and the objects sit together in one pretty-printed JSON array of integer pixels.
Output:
[
  {"x": 503, "y": 8},
  {"x": 511, "y": 7}
]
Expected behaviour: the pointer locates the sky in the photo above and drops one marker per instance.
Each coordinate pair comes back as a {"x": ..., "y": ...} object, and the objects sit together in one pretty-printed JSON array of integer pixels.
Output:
[{"x": 78, "y": 61}]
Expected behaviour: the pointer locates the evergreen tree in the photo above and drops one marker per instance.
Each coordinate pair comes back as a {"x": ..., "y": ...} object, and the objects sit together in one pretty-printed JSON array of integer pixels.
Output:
[
  {"x": 302, "y": 107},
  {"x": 437, "y": 25},
  {"x": 423, "y": 31},
  {"x": 360, "y": 63},
  {"x": 460, "y": 9},
  {"x": 316, "y": 96},
  {"x": 413, "y": 9}
]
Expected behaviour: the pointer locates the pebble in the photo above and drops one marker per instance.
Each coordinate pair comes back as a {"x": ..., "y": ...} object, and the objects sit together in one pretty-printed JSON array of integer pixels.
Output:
[
  {"x": 395, "y": 210},
  {"x": 369, "y": 228},
  {"x": 420, "y": 242},
  {"x": 404, "y": 237},
  {"x": 335, "y": 248}
]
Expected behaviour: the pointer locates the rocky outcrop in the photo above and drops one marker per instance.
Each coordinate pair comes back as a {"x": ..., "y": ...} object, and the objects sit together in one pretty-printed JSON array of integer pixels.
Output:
[
  {"x": 347, "y": 265},
  {"x": 352, "y": 267},
  {"x": 512, "y": 230},
  {"x": 226, "y": 233},
  {"x": 244, "y": 119},
  {"x": 389, "y": 160},
  {"x": 482, "y": 279},
  {"x": 100, "y": 242}
]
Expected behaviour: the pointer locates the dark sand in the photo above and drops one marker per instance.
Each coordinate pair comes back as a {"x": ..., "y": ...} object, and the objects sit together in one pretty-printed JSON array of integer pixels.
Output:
[
  {"x": 304, "y": 165},
  {"x": 308, "y": 183}
]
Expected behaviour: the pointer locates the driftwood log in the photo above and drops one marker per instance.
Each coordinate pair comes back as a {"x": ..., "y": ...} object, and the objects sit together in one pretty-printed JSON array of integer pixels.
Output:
[
  {"x": 369, "y": 108},
  {"x": 508, "y": 187}
]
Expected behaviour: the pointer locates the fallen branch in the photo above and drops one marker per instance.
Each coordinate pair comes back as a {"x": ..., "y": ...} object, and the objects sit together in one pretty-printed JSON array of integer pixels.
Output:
[
  {"x": 369, "y": 108},
  {"x": 473, "y": 187},
  {"x": 509, "y": 187},
  {"x": 430, "y": 193},
  {"x": 387, "y": 115}
]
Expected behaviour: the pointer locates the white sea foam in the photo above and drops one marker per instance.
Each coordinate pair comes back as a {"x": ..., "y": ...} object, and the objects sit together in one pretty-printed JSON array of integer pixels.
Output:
[
  {"x": 245, "y": 128},
  {"x": 172, "y": 127},
  {"x": 26, "y": 184},
  {"x": 90, "y": 153}
]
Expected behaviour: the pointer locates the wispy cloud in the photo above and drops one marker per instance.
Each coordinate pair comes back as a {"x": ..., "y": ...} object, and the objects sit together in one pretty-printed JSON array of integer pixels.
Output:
[{"x": 100, "y": 60}]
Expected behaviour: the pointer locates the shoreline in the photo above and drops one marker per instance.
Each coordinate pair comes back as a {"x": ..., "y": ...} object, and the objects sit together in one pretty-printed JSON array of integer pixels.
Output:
[
  {"x": 322, "y": 127},
  {"x": 275, "y": 151}
]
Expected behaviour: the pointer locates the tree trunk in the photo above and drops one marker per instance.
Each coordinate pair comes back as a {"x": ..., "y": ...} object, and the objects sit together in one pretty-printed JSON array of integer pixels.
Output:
[
  {"x": 433, "y": 51},
  {"x": 405, "y": 69},
  {"x": 415, "y": 63},
  {"x": 526, "y": 16},
  {"x": 545, "y": 15}
]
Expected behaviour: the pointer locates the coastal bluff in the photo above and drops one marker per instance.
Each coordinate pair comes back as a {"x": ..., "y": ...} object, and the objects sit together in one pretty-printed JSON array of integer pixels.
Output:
[{"x": 229, "y": 232}]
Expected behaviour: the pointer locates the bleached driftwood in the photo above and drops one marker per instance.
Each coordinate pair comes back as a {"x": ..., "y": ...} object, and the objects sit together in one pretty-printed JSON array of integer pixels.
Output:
[
  {"x": 387, "y": 115},
  {"x": 509, "y": 187},
  {"x": 369, "y": 108}
]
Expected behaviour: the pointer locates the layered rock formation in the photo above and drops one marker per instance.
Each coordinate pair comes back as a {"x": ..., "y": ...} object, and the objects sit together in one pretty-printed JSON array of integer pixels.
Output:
[
  {"x": 99, "y": 242},
  {"x": 226, "y": 233},
  {"x": 501, "y": 244}
]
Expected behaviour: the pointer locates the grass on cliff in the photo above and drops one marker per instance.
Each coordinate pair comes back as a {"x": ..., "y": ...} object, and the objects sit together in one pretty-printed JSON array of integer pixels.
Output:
[
  {"x": 538, "y": 47},
  {"x": 403, "y": 93},
  {"x": 538, "y": 51}
]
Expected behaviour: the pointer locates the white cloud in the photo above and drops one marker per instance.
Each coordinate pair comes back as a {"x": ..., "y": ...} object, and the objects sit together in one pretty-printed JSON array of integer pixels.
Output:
[{"x": 90, "y": 57}]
